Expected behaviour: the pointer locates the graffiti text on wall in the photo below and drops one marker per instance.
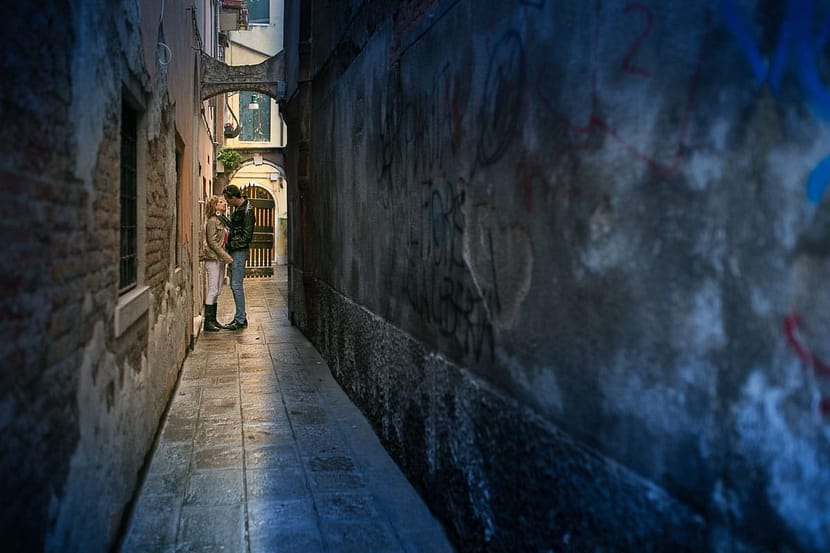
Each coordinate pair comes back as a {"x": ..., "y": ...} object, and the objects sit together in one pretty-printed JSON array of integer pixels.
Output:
[
  {"x": 791, "y": 325},
  {"x": 414, "y": 137},
  {"x": 502, "y": 92},
  {"x": 437, "y": 285},
  {"x": 419, "y": 134},
  {"x": 800, "y": 44}
]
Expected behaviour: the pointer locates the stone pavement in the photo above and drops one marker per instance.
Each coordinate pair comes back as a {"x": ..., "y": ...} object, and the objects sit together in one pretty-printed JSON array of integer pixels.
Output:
[{"x": 261, "y": 451}]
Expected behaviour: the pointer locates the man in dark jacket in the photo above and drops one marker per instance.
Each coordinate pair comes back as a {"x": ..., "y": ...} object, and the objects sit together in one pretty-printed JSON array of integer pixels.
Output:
[{"x": 239, "y": 239}]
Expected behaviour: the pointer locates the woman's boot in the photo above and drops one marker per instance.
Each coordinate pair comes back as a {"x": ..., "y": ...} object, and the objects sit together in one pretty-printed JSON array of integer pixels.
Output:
[{"x": 210, "y": 319}]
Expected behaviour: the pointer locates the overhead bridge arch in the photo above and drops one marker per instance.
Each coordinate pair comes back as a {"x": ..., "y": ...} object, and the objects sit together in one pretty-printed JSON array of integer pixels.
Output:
[{"x": 267, "y": 77}]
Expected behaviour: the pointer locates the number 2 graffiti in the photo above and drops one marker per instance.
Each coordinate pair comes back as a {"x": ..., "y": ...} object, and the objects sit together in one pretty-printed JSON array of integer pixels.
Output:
[
  {"x": 800, "y": 41},
  {"x": 626, "y": 52}
]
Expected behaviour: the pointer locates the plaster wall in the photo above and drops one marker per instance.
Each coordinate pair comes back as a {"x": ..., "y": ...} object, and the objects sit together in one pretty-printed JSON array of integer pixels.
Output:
[
  {"x": 571, "y": 260},
  {"x": 259, "y": 38}
]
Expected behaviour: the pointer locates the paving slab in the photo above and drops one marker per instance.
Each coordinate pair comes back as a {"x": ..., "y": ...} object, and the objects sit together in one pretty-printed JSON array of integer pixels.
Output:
[{"x": 262, "y": 451}]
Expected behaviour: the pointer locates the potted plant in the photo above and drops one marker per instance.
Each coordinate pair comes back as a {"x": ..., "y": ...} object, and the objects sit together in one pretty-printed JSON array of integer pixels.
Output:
[
  {"x": 231, "y": 130},
  {"x": 231, "y": 159}
]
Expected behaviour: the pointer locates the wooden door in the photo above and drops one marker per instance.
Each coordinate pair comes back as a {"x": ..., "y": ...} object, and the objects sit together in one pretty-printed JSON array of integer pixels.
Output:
[{"x": 261, "y": 256}]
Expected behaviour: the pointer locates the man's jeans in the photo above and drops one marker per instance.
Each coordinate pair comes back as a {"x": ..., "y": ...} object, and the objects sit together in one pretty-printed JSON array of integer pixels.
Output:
[{"x": 237, "y": 274}]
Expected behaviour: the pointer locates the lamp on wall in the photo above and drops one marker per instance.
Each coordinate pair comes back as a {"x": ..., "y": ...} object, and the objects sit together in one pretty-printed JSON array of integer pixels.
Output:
[{"x": 256, "y": 114}]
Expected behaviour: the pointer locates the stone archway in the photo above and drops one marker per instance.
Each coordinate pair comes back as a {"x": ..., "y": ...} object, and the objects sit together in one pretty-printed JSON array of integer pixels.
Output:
[{"x": 267, "y": 77}]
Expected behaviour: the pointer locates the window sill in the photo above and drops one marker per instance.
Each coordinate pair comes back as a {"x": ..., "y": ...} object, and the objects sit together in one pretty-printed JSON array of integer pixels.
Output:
[{"x": 130, "y": 307}]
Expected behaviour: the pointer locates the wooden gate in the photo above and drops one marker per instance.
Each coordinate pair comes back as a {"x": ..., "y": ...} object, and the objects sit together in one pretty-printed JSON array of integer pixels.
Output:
[{"x": 261, "y": 257}]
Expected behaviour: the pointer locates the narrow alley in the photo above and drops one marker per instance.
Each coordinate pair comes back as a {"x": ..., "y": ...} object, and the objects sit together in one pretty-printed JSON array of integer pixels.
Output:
[
  {"x": 531, "y": 276},
  {"x": 262, "y": 451}
]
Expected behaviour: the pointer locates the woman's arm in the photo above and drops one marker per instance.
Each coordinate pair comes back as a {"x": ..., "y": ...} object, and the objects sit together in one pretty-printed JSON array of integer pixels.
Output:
[{"x": 214, "y": 232}]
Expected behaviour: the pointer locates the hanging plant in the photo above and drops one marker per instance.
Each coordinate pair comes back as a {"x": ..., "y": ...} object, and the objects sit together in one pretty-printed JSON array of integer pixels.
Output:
[
  {"x": 231, "y": 159},
  {"x": 231, "y": 130}
]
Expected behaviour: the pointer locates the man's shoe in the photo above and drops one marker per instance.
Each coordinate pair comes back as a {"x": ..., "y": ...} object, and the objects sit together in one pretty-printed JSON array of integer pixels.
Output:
[{"x": 236, "y": 325}]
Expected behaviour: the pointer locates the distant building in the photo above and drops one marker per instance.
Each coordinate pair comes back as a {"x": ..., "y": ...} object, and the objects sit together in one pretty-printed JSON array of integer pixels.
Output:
[{"x": 256, "y": 129}]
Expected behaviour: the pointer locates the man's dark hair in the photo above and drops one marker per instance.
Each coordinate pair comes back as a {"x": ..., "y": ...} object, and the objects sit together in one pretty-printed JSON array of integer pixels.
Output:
[{"x": 232, "y": 191}]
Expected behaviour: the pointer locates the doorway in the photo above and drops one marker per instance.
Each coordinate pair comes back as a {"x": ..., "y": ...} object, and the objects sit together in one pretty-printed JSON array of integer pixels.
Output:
[{"x": 261, "y": 258}]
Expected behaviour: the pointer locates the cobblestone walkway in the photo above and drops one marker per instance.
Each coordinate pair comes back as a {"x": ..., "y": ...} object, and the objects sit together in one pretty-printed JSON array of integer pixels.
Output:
[{"x": 261, "y": 451}]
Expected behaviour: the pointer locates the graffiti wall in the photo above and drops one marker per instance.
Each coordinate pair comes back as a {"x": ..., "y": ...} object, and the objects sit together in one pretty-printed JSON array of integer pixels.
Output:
[{"x": 607, "y": 218}]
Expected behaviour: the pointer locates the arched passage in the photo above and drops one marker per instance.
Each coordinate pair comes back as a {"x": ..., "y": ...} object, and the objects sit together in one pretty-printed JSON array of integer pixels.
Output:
[{"x": 265, "y": 186}]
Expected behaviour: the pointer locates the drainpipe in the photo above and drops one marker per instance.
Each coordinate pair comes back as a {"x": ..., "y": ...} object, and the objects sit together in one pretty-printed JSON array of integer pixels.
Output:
[{"x": 216, "y": 4}]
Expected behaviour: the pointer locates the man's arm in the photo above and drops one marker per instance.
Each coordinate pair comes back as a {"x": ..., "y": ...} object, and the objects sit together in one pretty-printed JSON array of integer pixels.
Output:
[{"x": 250, "y": 220}]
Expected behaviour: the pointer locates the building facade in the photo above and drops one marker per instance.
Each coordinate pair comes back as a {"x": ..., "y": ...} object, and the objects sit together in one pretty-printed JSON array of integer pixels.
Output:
[
  {"x": 102, "y": 287},
  {"x": 257, "y": 130}
]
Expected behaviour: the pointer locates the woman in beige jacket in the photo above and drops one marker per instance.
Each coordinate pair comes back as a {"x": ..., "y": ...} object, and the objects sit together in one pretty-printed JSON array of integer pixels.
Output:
[{"x": 215, "y": 257}]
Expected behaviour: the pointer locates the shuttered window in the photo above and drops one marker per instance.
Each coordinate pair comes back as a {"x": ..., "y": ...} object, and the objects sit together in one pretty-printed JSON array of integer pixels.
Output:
[
  {"x": 255, "y": 109},
  {"x": 128, "y": 267}
]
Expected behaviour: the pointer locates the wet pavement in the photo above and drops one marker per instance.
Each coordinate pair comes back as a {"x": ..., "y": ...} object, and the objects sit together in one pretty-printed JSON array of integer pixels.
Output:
[{"x": 261, "y": 451}]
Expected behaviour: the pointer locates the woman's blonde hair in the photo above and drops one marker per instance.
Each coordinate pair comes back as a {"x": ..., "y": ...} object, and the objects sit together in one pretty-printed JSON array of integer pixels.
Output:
[{"x": 210, "y": 206}]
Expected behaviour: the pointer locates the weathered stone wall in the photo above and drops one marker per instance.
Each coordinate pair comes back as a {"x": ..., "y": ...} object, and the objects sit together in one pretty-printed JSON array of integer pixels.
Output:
[
  {"x": 571, "y": 260},
  {"x": 37, "y": 426},
  {"x": 79, "y": 406}
]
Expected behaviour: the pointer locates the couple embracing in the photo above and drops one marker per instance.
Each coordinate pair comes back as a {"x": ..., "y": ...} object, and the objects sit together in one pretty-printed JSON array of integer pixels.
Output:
[{"x": 226, "y": 243}]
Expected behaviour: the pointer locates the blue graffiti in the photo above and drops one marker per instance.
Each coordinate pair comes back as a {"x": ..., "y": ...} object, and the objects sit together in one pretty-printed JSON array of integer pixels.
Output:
[
  {"x": 735, "y": 22},
  {"x": 819, "y": 178},
  {"x": 797, "y": 42}
]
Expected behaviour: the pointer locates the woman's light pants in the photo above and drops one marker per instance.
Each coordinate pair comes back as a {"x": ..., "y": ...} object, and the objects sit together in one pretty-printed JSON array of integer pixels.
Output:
[{"x": 215, "y": 271}]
